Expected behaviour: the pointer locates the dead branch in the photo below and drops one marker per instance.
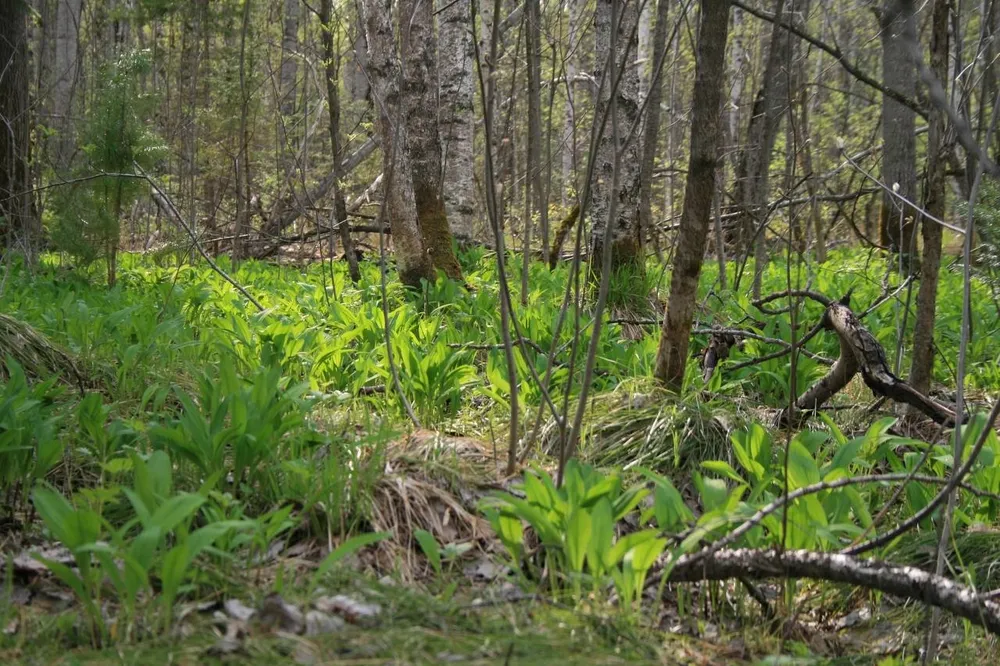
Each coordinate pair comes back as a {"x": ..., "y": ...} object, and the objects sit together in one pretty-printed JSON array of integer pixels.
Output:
[
  {"x": 902, "y": 581},
  {"x": 860, "y": 351}
]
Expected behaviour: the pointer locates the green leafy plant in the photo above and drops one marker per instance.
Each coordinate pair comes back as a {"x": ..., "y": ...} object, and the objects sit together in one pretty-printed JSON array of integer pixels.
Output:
[{"x": 576, "y": 525}]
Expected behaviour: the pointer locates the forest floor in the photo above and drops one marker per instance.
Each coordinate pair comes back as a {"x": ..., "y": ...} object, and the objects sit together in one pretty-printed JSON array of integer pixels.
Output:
[{"x": 177, "y": 362}]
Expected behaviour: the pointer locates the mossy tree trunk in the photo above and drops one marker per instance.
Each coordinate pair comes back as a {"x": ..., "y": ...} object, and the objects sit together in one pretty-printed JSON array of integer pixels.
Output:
[
  {"x": 418, "y": 48},
  {"x": 414, "y": 264}
]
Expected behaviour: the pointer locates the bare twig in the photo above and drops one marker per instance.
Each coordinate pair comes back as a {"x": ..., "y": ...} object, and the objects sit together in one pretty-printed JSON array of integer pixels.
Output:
[{"x": 163, "y": 199}]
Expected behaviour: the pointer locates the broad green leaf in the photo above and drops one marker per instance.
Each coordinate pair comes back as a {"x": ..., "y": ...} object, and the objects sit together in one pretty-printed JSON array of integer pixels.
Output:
[
  {"x": 176, "y": 510},
  {"x": 430, "y": 547},
  {"x": 578, "y": 532}
]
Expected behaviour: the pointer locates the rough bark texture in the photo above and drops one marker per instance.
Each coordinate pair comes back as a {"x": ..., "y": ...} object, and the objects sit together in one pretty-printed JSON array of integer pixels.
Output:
[
  {"x": 753, "y": 172},
  {"x": 901, "y": 581},
  {"x": 651, "y": 130},
  {"x": 457, "y": 119},
  {"x": 899, "y": 143},
  {"x": 65, "y": 74},
  {"x": 860, "y": 351},
  {"x": 17, "y": 224},
  {"x": 333, "y": 99},
  {"x": 413, "y": 262},
  {"x": 706, "y": 131},
  {"x": 922, "y": 365},
  {"x": 417, "y": 48},
  {"x": 626, "y": 243}
]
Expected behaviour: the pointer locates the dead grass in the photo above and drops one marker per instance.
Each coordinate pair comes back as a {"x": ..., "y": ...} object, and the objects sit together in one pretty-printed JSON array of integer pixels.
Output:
[
  {"x": 38, "y": 356},
  {"x": 429, "y": 485}
]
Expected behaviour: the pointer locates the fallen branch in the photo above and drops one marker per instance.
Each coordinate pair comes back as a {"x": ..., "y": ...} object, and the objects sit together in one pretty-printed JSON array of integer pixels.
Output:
[
  {"x": 902, "y": 581},
  {"x": 860, "y": 351}
]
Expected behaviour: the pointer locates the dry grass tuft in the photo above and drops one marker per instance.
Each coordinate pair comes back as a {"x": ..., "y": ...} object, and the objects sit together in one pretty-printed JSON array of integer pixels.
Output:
[
  {"x": 639, "y": 424},
  {"x": 36, "y": 354},
  {"x": 425, "y": 488}
]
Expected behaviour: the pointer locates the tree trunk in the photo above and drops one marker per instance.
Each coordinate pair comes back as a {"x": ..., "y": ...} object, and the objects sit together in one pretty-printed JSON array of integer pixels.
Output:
[
  {"x": 626, "y": 244},
  {"x": 356, "y": 78},
  {"x": 333, "y": 100},
  {"x": 417, "y": 47},
  {"x": 642, "y": 59},
  {"x": 899, "y": 151},
  {"x": 414, "y": 264},
  {"x": 243, "y": 141},
  {"x": 569, "y": 155},
  {"x": 533, "y": 50},
  {"x": 754, "y": 170},
  {"x": 288, "y": 74},
  {"x": 457, "y": 121},
  {"x": 17, "y": 219},
  {"x": 706, "y": 132},
  {"x": 738, "y": 73},
  {"x": 922, "y": 364},
  {"x": 65, "y": 75},
  {"x": 289, "y": 59},
  {"x": 651, "y": 130}
]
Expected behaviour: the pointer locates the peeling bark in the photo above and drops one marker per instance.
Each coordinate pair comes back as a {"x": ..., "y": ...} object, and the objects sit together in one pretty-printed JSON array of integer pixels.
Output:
[{"x": 626, "y": 243}]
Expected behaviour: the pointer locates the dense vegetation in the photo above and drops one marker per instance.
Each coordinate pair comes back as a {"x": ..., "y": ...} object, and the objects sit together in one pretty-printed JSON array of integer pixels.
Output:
[
  {"x": 588, "y": 331},
  {"x": 206, "y": 433}
]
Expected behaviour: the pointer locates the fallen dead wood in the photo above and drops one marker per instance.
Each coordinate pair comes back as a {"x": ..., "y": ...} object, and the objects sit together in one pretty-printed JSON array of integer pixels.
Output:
[
  {"x": 901, "y": 581},
  {"x": 860, "y": 351}
]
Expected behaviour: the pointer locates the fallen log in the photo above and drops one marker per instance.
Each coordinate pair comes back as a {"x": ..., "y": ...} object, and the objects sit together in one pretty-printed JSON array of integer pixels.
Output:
[
  {"x": 861, "y": 352},
  {"x": 901, "y": 581}
]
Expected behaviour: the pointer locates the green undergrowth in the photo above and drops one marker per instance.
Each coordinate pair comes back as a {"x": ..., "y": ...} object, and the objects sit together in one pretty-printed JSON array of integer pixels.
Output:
[{"x": 168, "y": 435}]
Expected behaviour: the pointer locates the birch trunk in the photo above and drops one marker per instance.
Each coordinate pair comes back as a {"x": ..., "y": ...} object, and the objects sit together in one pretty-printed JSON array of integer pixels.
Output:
[
  {"x": 457, "y": 120},
  {"x": 569, "y": 153},
  {"x": 423, "y": 141},
  {"x": 626, "y": 243},
  {"x": 651, "y": 133},
  {"x": 413, "y": 262}
]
